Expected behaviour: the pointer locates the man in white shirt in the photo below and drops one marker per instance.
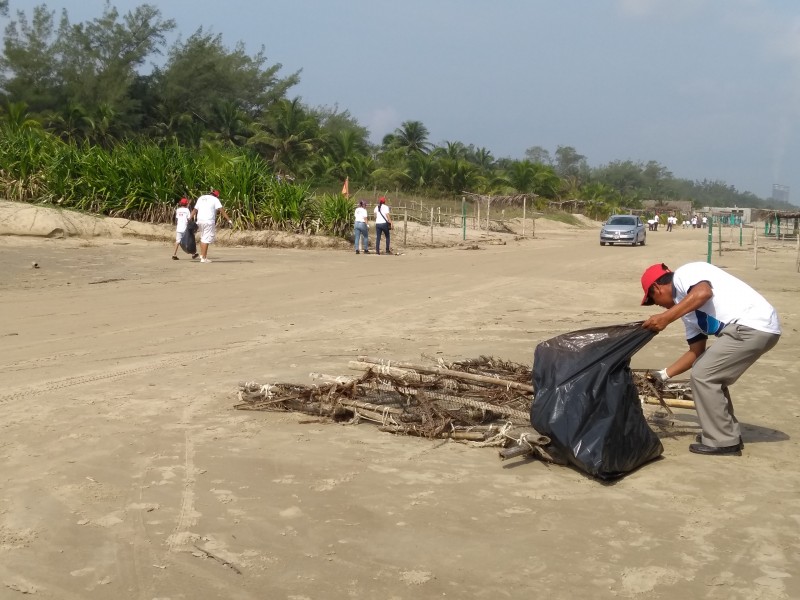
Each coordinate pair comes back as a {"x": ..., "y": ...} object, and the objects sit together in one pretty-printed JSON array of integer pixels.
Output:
[
  {"x": 383, "y": 225},
  {"x": 205, "y": 215},
  {"x": 712, "y": 302}
]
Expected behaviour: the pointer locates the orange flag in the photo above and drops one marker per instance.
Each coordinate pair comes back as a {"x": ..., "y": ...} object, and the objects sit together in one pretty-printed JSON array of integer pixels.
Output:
[{"x": 346, "y": 187}]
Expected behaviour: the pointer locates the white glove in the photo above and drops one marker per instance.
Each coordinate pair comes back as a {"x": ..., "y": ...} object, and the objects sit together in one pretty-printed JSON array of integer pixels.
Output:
[{"x": 661, "y": 375}]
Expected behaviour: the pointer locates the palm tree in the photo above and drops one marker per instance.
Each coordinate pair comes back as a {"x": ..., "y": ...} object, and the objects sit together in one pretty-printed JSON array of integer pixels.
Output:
[
  {"x": 451, "y": 150},
  {"x": 482, "y": 158},
  {"x": 412, "y": 136},
  {"x": 457, "y": 176},
  {"x": 72, "y": 123},
  {"x": 521, "y": 175},
  {"x": 230, "y": 123},
  {"x": 17, "y": 118},
  {"x": 421, "y": 170},
  {"x": 287, "y": 136},
  {"x": 346, "y": 149}
]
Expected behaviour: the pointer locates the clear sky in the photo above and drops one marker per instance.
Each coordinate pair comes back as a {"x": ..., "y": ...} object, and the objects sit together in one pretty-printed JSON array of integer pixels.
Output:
[{"x": 708, "y": 88}]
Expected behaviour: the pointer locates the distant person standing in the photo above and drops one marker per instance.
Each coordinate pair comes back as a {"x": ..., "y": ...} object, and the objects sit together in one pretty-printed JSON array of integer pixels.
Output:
[
  {"x": 361, "y": 232},
  {"x": 705, "y": 222},
  {"x": 670, "y": 220},
  {"x": 205, "y": 215},
  {"x": 182, "y": 216},
  {"x": 694, "y": 221},
  {"x": 383, "y": 225}
]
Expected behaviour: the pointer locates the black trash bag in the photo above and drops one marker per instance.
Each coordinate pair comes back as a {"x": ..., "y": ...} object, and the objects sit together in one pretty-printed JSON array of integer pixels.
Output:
[
  {"x": 188, "y": 243},
  {"x": 587, "y": 403}
]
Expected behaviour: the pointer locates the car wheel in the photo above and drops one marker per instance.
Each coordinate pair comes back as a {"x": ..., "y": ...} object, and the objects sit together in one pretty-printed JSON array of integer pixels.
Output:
[
  {"x": 602, "y": 243},
  {"x": 644, "y": 240}
]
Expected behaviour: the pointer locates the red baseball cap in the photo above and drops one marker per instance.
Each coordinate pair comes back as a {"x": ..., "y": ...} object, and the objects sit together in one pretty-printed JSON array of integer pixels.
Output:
[
  {"x": 649, "y": 277},
  {"x": 215, "y": 192},
  {"x": 382, "y": 200},
  {"x": 184, "y": 202}
]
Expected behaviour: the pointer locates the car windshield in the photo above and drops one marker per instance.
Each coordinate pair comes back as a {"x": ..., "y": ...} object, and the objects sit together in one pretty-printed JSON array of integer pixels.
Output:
[{"x": 622, "y": 221}]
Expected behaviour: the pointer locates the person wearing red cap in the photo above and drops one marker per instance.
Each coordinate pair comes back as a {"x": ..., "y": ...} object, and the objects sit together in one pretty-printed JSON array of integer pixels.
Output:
[
  {"x": 711, "y": 302},
  {"x": 383, "y": 225},
  {"x": 182, "y": 215},
  {"x": 205, "y": 214}
]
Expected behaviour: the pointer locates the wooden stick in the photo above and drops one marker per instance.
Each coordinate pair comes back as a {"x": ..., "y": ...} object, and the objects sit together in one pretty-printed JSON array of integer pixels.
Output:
[
  {"x": 472, "y": 436},
  {"x": 671, "y": 402},
  {"x": 373, "y": 407},
  {"x": 385, "y": 364},
  {"x": 220, "y": 560}
]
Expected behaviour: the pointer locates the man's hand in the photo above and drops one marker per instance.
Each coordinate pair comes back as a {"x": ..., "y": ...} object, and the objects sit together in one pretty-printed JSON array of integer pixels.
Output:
[
  {"x": 660, "y": 375},
  {"x": 656, "y": 323}
]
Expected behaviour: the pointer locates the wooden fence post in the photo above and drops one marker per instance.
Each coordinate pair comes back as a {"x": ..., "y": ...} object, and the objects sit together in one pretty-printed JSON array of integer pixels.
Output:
[
  {"x": 431, "y": 224},
  {"x": 524, "y": 206},
  {"x": 755, "y": 250}
]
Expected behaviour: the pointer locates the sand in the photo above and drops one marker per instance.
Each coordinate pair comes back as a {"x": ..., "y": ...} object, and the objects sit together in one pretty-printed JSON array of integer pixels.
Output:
[{"x": 125, "y": 472}]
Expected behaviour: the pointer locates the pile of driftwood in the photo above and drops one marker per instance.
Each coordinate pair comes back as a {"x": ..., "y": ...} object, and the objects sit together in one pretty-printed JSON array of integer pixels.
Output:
[{"x": 484, "y": 401}]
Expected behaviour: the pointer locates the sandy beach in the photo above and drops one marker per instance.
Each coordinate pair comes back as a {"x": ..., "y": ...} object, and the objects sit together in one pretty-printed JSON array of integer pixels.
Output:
[{"x": 126, "y": 473}]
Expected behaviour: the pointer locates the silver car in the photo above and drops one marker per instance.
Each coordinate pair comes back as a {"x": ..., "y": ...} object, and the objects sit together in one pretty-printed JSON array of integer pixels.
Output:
[{"x": 623, "y": 229}]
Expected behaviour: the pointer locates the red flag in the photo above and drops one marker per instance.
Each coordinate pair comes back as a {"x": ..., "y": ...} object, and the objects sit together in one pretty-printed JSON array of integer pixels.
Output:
[{"x": 346, "y": 187}]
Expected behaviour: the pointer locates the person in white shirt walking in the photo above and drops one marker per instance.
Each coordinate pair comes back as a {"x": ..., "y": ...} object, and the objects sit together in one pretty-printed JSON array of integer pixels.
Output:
[
  {"x": 361, "y": 232},
  {"x": 383, "y": 225},
  {"x": 711, "y": 302},
  {"x": 182, "y": 216},
  {"x": 205, "y": 215}
]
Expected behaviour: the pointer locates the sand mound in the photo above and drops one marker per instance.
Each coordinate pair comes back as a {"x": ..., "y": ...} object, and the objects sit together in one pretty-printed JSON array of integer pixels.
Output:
[{"x": 38, "y": 220}]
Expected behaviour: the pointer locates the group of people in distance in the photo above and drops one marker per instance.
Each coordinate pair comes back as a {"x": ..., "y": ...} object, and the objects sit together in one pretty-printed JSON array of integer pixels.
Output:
[
  {"x": 695, "y": 222},
  {"x": 383, "y": 227},
  {"x": 204, "y": 214}
]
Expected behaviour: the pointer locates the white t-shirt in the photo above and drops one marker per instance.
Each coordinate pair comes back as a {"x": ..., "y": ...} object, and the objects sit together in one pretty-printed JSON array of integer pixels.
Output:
[
  {"x": 733, "y": 302},
  {"x": 381, "y": 208},
  {"x": 361, "y": 215},
  {"x": 207, "y": 206},
  {"x": 182, "y": 218}
]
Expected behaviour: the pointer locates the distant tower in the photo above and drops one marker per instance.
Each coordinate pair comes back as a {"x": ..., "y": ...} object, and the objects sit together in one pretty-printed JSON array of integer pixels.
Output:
[{"x": 780, "y": 192}]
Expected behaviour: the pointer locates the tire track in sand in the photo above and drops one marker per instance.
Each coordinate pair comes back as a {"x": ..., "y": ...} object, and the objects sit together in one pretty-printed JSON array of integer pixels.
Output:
[{"x": 110, "y": 374}]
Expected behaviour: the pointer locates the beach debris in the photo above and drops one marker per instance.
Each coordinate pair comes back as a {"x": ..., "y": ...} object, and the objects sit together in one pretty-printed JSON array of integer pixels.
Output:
[{"x": 481, "y": 402}]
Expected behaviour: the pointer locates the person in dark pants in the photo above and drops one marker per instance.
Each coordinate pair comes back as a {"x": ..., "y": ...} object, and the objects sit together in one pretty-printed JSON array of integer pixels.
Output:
[
  {"x": 383, "y": 225},
  {"x": 711, "y": 302}
]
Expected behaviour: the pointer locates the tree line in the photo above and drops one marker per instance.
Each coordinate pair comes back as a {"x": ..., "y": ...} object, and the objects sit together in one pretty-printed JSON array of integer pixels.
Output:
[{"x": 85, "y": 85}]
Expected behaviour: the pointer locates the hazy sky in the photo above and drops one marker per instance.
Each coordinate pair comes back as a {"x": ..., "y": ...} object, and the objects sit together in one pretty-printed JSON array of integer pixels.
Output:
[{"x": 708, "y": 88}]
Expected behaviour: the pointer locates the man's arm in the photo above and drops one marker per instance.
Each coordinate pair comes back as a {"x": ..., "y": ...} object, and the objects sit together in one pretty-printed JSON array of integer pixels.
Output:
[
  {"x": 225, "y": 214},
  {"x": 697, "y": 296},
  {"x": 685, "y": 362}
]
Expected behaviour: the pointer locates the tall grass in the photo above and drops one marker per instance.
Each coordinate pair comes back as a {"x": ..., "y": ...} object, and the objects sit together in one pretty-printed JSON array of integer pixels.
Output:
[{"x": 143, "y": 181}]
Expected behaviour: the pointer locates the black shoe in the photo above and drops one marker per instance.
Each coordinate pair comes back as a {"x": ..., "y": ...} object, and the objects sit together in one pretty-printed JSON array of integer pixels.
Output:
[
  {"x": 699, "y": 439},
  {"x": 195, "y": 255},
  {"x": 378, "y": 253},
  {"x": 703, "y": 449},
  {"x": 357, "y": 252},
  {"x": 175, "y": 257},
  {"x": 366, "y": 251}
]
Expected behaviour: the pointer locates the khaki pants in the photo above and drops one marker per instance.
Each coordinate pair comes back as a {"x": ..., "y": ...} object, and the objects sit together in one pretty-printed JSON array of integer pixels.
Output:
[{"x": 718, "y": 367}]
